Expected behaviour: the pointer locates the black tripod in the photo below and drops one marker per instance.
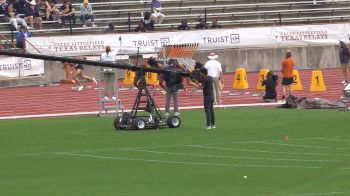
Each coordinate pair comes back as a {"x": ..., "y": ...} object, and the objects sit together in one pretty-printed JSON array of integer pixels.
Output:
[{"x": 144, "y": 101}]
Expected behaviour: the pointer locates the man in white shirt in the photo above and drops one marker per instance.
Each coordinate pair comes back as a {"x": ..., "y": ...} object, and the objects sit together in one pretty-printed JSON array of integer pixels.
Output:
[
  {"x": 109, "y": 73},
  {"x": 215, "y": 71}
]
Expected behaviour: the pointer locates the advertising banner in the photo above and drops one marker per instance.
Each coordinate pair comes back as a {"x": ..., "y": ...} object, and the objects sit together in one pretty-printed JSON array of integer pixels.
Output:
[
  {"x": 11, "y": 67},
  {"x": 131, "y": 43}
]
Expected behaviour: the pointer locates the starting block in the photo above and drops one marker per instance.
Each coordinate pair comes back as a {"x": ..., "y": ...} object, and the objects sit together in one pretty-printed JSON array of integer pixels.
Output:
[
  {"x": 317, "y": 83},
  {"x": 240, "y": 79},
  {"x": 296, "y": 81},
  {"x": 262, "y": 77}
]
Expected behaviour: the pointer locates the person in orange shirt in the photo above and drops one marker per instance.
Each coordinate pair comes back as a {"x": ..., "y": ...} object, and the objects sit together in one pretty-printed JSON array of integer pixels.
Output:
[{"x": 287, "y": 72}]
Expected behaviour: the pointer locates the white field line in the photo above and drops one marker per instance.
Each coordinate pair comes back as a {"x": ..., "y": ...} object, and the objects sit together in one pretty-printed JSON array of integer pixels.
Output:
[
  {"x": 281, "y": 144},
  {"x": 96, "y": 112},
  {"x": 266, "y": 151},
  {"x": 331, "y": 139},
  {"x": 307, "y": 146},
  {"x": 321, "y": 138},
  {"x": 242, "y": 142},
  {"x": 186, "y": 162},
  {"x": 231, "y": 157},
  {"x": 329, "y": 193},
  {"x": 151, "y": 147}
]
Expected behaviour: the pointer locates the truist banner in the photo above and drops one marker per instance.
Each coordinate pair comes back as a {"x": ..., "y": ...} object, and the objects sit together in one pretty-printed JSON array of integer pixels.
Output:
[
  {"x": 130, "y": 43},
  {"x": 11, "y": 67}
]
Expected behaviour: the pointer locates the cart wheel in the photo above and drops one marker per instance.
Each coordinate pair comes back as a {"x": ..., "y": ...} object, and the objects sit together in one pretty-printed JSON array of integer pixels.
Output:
[
  {"x": 139, "y": 123},
  {"x": 117, "y": 122},
  {"x": 173, "y": 121}
]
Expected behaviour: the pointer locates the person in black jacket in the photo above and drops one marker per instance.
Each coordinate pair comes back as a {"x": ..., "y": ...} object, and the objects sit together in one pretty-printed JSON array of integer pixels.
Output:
[
  {"x": 183, "y": 25},
  {"x": 270, "y": 87},
  {"x": 202, "y": 24},
  {"x": 344, "y": 60},
  {"x": 147, "y": 21},
  {"x": 206, "y": 83},
  {"x": 173, "y": 82}
]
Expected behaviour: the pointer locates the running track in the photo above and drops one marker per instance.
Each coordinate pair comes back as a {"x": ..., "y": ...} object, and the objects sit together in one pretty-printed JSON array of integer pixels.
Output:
[{"x": 36, "y": 100}]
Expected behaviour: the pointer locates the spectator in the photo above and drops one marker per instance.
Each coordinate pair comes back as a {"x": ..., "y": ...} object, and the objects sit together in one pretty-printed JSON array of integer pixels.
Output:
[
  {"x": 3, "y": 5},
  {"x": 52, "y": 12},
  {"x": 13, "y": 17},
  {"x": 147, "y": 21},
  {"x": 86, "y": 13},
  {"x": 202, "y": 24},
  {"x": 32, "y": 13},
  {"x": 215, "y": 71},
  {"x": 21, "y": 6},
  {"x": 183, "y": 25},
  {"x": 344, "y": 57},
  {"x": 110, "y": 28},
  {"x": 140, "y": 28},
  {"x": 21, "y": 37},
  {"x": 287, "y": 71},
  {"x": 157, "y": 16},
  {"x": 215, "y": 24},
  {"x": 67, "y": 13}
]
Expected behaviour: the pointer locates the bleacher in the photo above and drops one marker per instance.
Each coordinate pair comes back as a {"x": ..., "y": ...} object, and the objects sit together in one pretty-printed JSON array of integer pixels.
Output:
[{"x": 230, "y": 13}]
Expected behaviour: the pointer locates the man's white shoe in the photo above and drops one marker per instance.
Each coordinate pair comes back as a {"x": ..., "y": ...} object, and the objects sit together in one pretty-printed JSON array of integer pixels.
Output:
[
  {"x": 213, "y": 127},
  {"x": 94, "y": 25},
  {"x": 84, "y": 26},
  {"x": 166, "y": 113},
  {"x": 80, "y": 88},
  {"x": 94, "y": 80},
  {"x": 177, "y": 113},
  {"x": 208, "y": 127}
]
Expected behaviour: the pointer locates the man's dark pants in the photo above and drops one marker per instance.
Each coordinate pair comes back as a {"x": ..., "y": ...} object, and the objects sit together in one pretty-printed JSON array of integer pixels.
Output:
[{"x": 209, "y": 110}]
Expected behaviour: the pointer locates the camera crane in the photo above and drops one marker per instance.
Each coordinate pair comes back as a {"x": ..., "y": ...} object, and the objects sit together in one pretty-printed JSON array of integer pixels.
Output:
[{"x": 131, "y": 120}]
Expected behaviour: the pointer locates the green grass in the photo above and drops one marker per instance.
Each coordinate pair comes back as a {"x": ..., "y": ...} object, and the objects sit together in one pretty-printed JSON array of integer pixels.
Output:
[{"x": 86, "y": 156}]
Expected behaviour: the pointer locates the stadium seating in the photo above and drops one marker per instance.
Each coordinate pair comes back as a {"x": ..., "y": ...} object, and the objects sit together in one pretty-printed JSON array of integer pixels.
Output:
[{"x": 230, "y": 13}]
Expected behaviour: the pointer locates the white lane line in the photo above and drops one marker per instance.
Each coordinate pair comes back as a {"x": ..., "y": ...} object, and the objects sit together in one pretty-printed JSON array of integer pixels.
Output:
[
  {"x": 186, "y": 162},
  {"x": 311, "y": 194},
  {"x": 231, "y": 157},
  {"x": 266, "y": 151}
]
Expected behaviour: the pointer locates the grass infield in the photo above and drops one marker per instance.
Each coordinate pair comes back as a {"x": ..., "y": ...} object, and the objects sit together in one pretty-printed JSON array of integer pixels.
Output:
[{"x": 86, "y": 156}]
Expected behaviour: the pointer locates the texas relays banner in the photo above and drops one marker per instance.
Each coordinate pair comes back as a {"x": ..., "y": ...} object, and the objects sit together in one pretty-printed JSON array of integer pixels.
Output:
[
  {"x": 131, "y": 43},
  {"x": 11, "y": 67}
]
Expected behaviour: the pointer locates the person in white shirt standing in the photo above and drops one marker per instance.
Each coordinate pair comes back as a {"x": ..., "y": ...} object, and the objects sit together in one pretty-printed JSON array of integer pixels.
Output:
[
  {"x": 109, "y": 73},
  {"x": 215, "y": 71}
]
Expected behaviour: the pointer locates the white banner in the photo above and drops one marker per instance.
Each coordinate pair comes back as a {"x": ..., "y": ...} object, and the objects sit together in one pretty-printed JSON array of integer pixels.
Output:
[
  {"x": 129, "y": 43},
  {"x": 11, "y": 67}
]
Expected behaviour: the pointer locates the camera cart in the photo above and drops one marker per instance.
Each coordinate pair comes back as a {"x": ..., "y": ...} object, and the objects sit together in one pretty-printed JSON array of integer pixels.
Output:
[{"x": 145, "y": 103}]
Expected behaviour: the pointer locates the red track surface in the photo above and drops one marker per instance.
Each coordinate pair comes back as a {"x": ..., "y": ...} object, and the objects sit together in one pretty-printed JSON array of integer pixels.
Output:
[{"x": 62, "y": 99}]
